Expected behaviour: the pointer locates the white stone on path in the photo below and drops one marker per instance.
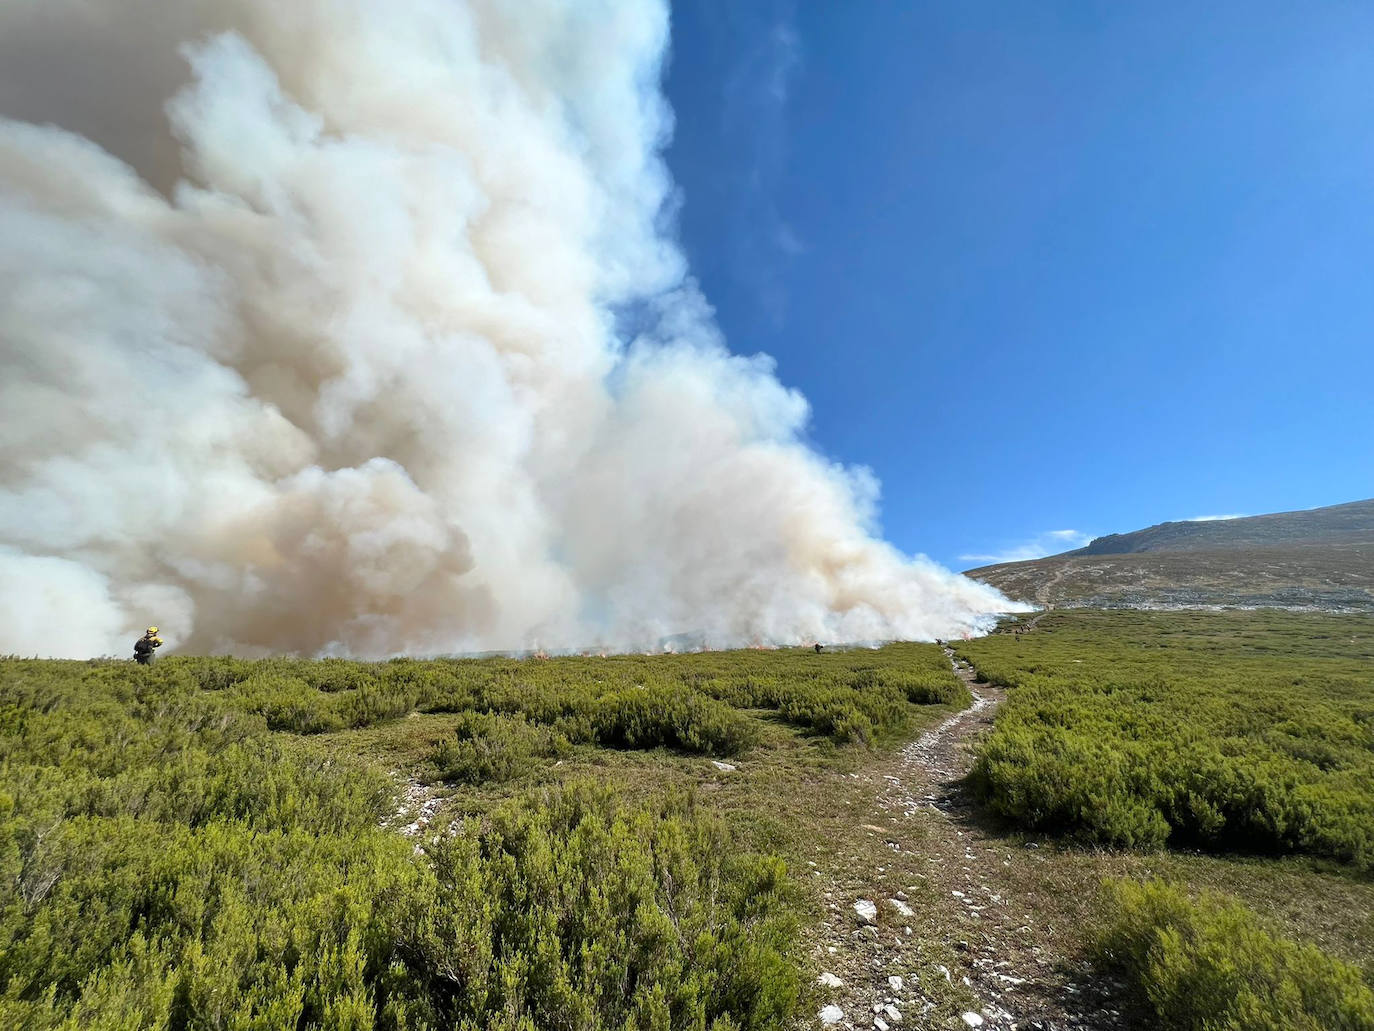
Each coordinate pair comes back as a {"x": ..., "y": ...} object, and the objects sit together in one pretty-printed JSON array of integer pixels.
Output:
[
  {"x": 723, "y": 766},
  {"x": 895, "y": 983},
  {"x": 973, "y": 1019},
  {"x": 868, "y": 912},
  {"x": 902, "y": 907},
  {"x": 830, "y": 980},
  {"x": 892, "y": 1013},
  {"x": 831, "y": 1014},
  {"x": 880, "y": 1024}
]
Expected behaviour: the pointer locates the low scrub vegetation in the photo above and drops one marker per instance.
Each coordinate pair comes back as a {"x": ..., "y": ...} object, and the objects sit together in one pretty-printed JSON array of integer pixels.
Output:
[
  {"x": 179, "y": 846},
  {"x": 1228, "y": 730},
  {"x": 166, "y": 862},
  {"x": 927, "y": 688},
  {"x": 488, "y": 747},
  {"x": 1210, "y": 965},
  {"x": 628, "y": 701}
]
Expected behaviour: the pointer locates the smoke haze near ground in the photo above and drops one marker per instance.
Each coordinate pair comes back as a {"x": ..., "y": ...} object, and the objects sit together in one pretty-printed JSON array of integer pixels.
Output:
[{"x": 313, "y": 326}]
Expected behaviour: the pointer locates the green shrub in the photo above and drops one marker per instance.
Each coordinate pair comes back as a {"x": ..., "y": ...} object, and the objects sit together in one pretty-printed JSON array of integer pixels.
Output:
[
  {"x": 577, "y": 913},
  {"x": 1209, "y": 965},
  {"x": 669, "y": 714},
  {"x": 289, "y": 703},
  {"x": 941, "y": 688},
  {"x": 491, "y": 747},
  {"x": 544, "y": 703},
  {"x": 1219, "y": 736},
  {"x": 212, "y": 673},
  {"x": 168, "y": 861},
  {"x": 830, "y": 711},
  {"x": 337, "y": 675}
]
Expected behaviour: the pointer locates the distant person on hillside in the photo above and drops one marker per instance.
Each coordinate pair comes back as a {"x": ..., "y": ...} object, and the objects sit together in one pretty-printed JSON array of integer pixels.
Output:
[
  {"x": 819, "y": 646},
  {"x": 143, "y": 647}
]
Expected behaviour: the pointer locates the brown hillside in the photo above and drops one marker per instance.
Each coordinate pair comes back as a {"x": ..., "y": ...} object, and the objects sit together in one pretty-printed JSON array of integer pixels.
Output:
[{"x": 1320, "y": 558}]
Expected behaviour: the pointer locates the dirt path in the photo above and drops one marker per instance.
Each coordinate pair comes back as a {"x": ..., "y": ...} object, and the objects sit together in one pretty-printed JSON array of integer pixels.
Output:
[
  {"x": 1042, "y": 593},
  {"x": 950, "y": 948}
]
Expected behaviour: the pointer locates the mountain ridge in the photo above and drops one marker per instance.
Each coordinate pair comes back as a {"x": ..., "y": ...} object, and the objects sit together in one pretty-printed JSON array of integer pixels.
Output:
[{"x": 1320, "y": 558}]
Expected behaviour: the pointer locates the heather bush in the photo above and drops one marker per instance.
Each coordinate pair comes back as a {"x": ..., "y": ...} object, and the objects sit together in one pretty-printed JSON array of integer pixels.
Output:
[
  {"x": 1210, "y": 965},
  {"x": 492, "y": 747},
  {"x": 577, "y": 912},
  {"x": 289, "y": 703},
  {"x": 844, "y": 713},
  {"x": 167, "y": 860},
  {"x": 928, "y": 688},
  {"x": 669, "y": 714},
  {"x": 1207, "y": 738}
]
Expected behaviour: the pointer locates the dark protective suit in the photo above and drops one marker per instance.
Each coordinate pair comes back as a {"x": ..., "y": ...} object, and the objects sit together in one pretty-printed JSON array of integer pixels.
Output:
[{"x": 143, "y": 649}]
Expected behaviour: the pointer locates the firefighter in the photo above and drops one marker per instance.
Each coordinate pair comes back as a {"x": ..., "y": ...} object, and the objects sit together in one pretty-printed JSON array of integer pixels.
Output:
[{"x": 143, "y": 647}]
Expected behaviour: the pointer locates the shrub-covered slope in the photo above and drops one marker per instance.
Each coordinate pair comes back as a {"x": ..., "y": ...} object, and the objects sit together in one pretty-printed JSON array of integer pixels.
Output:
[
  {"x": 176, "y": 852},
  {"x": 1231, "y": 730}
]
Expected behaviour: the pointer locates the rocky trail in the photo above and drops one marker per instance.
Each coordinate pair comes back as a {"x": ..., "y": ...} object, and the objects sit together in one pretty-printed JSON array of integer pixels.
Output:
[
  {"x": 950, "y": 947},
  {"x": 416, "y": 808}
]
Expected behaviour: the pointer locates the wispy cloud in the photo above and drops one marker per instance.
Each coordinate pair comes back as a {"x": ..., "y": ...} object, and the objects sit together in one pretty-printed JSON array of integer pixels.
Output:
[
  {"x": 1068, "y": 535},
  {"x": 1050, "y": 542},
  {"x": 1215, "y": 518}
]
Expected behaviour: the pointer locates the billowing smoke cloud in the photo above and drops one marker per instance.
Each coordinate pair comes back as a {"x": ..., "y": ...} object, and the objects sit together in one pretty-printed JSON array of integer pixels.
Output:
[{"x": 313, "y": 338}]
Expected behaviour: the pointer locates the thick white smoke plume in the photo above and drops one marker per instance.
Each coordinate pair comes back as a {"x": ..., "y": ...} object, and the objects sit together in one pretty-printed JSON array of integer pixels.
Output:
[{"x": 309, "y": 341}]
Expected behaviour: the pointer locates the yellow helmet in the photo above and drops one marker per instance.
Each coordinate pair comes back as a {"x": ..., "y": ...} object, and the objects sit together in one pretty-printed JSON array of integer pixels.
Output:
[{"x": 152, "y": 630}]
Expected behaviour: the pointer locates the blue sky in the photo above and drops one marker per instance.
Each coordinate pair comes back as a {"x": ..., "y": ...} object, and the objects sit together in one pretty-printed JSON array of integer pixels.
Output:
[{"x": 1045, "y": 267}]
